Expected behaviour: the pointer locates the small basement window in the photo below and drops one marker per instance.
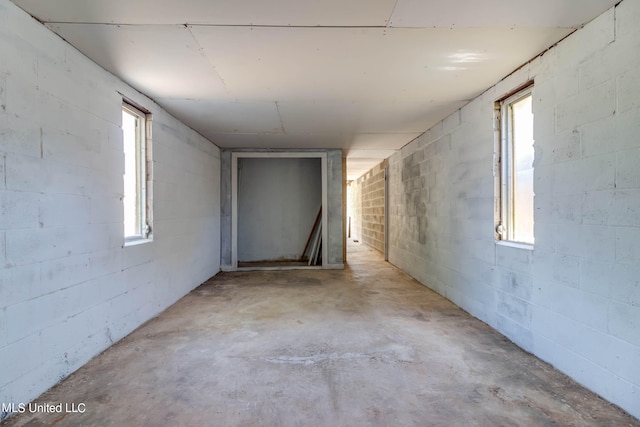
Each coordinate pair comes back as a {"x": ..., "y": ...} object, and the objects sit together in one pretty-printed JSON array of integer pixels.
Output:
[
  {"x": 137, "y": 208},
  {"x": 515, "y": 165}
]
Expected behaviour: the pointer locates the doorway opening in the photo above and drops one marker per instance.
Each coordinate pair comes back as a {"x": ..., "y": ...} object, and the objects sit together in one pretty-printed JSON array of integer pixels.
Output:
[
  {"x": 278, "y": 210},
  {"x": 367, "y": 216}
]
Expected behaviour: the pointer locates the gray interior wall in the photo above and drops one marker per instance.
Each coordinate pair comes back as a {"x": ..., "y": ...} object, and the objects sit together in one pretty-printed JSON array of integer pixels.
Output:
[
  {"x": 278, "y": 201},
  {"x": 335, "y": 215},
  {"x": 574, "y": 300},
  {"x": 69, "y": 287},
  {"x": 225, "y": 208},
  {"x": 335, "y": 242}
]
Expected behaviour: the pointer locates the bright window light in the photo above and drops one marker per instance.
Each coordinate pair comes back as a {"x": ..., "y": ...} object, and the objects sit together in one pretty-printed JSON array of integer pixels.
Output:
[
  {"x": 136, "y": 206},
  {"x": 516, "y": 168}
]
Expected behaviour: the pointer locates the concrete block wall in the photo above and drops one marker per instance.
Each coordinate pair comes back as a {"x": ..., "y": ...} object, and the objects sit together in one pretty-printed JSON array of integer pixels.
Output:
[
  {"x": 574, "y": 300},
  {"x": 68, "y": 287},
  {"x": 369, "y": 216}
]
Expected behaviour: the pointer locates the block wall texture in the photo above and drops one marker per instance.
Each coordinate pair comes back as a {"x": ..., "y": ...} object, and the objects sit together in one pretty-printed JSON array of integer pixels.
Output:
[
  {"x": 368, "y": 215},
  {"x": 574, "y": 300},
  {"x": 68, "y": 287}
]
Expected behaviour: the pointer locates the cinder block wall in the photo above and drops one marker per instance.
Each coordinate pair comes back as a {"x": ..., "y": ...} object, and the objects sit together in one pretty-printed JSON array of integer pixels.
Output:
[
  {"x": 68, "y": 288},
  {"x": 575, "y": 299},
  {"x": 368, "y": 219}
]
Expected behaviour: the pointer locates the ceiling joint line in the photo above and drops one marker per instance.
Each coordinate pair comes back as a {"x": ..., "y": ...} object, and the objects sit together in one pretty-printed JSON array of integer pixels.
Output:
[
  {"x": 393, "y": 10},
  {"x": 205, "y": 25},
  {"x": 109, "y": 24},
  {"x": 354, "y": 27},
  {"x": 206, "y": 58},
  {"x": 280, "y": 118}
]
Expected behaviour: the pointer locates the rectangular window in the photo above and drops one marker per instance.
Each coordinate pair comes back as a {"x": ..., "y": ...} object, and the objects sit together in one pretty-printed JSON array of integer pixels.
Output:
[
  {"x": 516, "y": 156},
  {"x": 137, "y": 208}
]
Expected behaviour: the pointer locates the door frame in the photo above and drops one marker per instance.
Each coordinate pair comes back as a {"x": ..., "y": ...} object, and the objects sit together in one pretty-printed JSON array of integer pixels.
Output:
[
  {"x": 386, "y": 213},
  {"x": 284, "y": 154}
]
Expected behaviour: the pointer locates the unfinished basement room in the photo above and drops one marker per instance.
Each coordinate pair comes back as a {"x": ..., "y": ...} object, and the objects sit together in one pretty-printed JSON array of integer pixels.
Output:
[{"x": 320, "y": 213}]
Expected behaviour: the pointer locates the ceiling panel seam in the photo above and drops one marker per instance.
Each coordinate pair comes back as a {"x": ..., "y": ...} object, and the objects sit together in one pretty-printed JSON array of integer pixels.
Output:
[
  {"x": 338, "y": 27},
  {"x": 206, "y": 57},
  {"x": 280, "y": 118},
  {"x": 355, "y": 27},
  {"x": 393, "y": 10},
  {"x": 188, "y": 24},
  {"x": 113, "y": 24}
]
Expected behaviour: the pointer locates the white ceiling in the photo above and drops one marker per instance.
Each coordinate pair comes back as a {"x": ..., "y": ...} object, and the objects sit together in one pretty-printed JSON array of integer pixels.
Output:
[{"x": 367, "y": 76}]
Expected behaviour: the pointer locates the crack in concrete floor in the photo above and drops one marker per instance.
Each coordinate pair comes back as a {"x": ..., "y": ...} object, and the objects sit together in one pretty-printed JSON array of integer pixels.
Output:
[{"x": 398, "y": 353}]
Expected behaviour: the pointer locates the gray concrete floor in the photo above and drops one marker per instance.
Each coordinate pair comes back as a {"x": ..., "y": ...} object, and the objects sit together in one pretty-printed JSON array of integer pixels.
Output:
[{"x": 367, "y": 346}]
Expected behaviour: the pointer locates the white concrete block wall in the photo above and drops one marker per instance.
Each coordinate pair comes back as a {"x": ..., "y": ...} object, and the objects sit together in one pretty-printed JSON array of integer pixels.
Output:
[
  {"x": 575, "y": 299},
  {"x": 68, "y": 287}
]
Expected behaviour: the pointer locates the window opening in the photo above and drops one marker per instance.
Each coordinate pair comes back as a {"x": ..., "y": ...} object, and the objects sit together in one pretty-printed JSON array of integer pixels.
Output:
[
  {"x": 135, "y": 141},
  {"x": 516, "y": 168}
]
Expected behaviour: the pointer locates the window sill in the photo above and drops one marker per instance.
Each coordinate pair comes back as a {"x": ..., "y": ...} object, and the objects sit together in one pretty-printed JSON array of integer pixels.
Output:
[
  {"x": 136, "y": 241},
  {"x": 518, "y": 245}
]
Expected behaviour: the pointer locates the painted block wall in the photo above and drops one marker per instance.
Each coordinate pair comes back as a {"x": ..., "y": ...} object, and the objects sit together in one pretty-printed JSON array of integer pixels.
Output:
[
  {"x": 278, "y": 201},
  {"x": 574, "y": 300},
  {"x": 68, "y": 287},
  {"x": 335, "y": 241},
  {"x": 369, "y": 191}
]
